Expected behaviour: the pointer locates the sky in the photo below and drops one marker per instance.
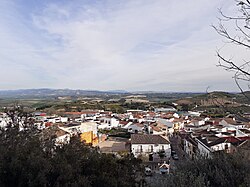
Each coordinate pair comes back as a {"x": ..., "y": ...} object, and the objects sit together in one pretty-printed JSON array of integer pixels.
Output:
[{"x": 133, "y": 45}]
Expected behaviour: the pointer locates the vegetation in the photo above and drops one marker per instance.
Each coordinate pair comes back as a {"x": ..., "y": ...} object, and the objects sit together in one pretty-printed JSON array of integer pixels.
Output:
[
  {"x": 29, "y": 158},
  {"x": 223, "y": 170},
  {"x": 210, "y": 102},
  {"x": 116, "y": 132}
]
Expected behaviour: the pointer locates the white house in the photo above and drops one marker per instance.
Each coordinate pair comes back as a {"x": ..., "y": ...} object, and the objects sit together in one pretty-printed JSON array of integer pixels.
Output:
[
  {"x": 80, "y": 128},
  {"x": 197, "y": 122},
  {"x": 190, "y": 147},
  {"x": 55, "y": 119},
  {"x": 90, "y": 115},
  {"x": 231, "y": 122},
  {"x": 134, "y": 127},
  {"x": 208, "y": 145},
  {"x": 145, "y": 144},
  {"x": 64, "y": 119},
  {"x": 108, "y": 123},
  {"x": 4, "y": 121}
]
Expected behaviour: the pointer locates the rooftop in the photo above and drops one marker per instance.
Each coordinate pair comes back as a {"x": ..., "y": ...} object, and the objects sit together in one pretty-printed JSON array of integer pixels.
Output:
[{"x": 148, "y": 139}]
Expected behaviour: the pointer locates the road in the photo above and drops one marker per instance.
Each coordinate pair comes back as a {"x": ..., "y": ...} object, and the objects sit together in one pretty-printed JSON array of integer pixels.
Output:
[{"x": 180, "y": 153}]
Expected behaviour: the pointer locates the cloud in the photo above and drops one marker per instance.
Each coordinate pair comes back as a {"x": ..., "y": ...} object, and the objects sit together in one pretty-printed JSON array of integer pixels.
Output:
[{"x": 132, "y": 45}]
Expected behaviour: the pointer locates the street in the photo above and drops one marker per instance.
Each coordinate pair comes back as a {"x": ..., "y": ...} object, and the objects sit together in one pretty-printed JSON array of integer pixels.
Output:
[{"x": 175, "y": 146}]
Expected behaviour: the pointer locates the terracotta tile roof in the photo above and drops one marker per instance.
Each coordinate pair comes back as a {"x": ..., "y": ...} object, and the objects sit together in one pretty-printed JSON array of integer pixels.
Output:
[
  {"x": 53, "y": 130},
  {"x": 73, "y": 113},
  {"x": 244, "y": 138},
  {"x": 232, "y": 139},
  {"x": 138, "y": 116},
  {"x": 157, "y": 129},
  {"x": 148, "y": 139},
  {"x": 230, "y": 120},
  {"x": 89, "y": 112},
  {"x": 139, "y": 124},
  {"x": 123, "y": 122},
  {"x": 178, "y": 120},
  {"x": 106, "y": 112},
  {"x": 160, "y": 125}
]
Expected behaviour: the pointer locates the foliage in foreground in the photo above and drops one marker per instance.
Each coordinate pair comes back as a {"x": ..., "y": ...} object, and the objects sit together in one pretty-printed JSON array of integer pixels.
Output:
[
  {"x": 26, "y": 159},
  {"x": 223, "y": 170}
]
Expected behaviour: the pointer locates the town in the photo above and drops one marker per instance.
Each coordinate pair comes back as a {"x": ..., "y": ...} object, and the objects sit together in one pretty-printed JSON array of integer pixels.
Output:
[
  {"x": 162, "y": 138},
  {"x": 134, "y": 93}
]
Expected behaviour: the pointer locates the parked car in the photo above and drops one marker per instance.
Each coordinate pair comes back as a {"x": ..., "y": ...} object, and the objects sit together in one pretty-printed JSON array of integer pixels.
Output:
[
  {"x": 173, "y": 152},
  {"x": 175, "y": 157}
]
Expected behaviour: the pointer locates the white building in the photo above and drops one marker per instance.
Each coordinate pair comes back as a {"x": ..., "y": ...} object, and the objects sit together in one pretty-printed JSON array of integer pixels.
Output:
[
  {"x": 89, "y": 126},
  {"x": 108, "y": 123},
  {"x": 80, "y": 128},
  {"x": 145, "y": 144},
  {"x": 90, "y": 115},
  {"x": 206, "y": 146},
  {"x": 169, "y": 109}
]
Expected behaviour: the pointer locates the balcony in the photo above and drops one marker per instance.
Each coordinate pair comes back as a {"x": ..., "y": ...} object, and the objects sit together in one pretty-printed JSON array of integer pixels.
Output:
[
  {"x": 144, "y": 151},
  {"x": 138, "y": 151}
]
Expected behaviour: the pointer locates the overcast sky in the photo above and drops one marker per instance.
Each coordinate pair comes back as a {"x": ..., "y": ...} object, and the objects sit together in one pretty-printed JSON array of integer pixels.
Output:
[{"x": 160, "y": 45}]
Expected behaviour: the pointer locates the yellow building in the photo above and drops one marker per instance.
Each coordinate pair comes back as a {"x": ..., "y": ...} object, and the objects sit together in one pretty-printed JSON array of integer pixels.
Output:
[
  {"x": 176, "y": 127},
  {"x": 89, "y": 138}
]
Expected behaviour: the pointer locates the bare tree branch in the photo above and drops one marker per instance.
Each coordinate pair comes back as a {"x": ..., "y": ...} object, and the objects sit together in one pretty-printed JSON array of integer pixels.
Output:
[
  {"x": 230, "y": 65},
  {"x": 239, "y": 35},
  {"x": 238, "y": 85}
]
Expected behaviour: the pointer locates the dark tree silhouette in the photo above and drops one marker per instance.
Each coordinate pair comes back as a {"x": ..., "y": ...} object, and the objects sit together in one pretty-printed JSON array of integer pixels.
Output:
[{"x": 29, "y": 158}]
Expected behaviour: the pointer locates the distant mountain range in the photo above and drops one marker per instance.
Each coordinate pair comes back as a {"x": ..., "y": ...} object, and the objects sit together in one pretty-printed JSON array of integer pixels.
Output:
[{"x": 46, "y": 92}]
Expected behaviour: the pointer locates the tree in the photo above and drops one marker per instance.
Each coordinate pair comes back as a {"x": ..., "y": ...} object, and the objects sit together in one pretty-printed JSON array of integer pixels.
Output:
[
  {"x": 28, "y": 158},
  {"x": 222, "y": 170},
  {"x": 239, "y": 36}
]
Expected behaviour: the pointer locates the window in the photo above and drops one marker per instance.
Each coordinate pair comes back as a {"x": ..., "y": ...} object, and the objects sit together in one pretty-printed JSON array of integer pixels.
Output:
[
  {"x": 141, "y": 148},
  {"x": 226, "y": 146},
  {"x": 151, "y": 148}
]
